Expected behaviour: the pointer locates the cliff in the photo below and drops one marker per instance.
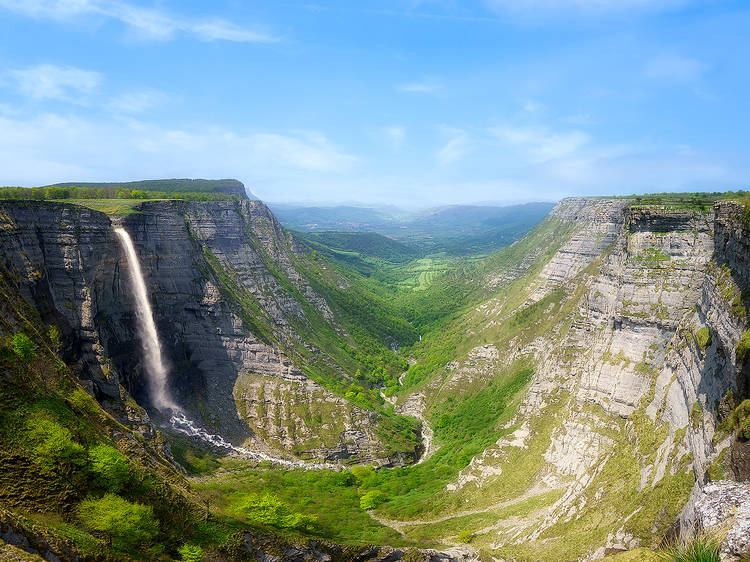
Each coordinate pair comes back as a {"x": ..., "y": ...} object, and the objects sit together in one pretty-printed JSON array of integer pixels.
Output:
[
  {"x": 236, "y": 316},
  {"x": 632, "y": 326}
]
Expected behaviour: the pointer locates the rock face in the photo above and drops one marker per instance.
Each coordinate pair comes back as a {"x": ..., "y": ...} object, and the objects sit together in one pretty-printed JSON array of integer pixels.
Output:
[
  {"x": 638, "y": 317},
  {"x": 724, "y": 507},
  {"x": 228, "y": 303}
]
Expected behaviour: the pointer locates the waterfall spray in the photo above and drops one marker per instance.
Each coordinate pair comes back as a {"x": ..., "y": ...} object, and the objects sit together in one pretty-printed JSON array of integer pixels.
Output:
[{"x": 156, "y": 372}]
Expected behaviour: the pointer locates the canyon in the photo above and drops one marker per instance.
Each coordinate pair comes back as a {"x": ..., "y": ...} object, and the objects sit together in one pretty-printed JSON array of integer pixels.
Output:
[{"x": 613, "y": 332}]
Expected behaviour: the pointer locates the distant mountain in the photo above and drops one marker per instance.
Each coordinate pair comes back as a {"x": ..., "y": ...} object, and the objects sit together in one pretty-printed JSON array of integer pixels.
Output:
[
  {"x": 174, "y": 185},
  {"x": 456, "y": 229},
  {"x": 370, "y": 244},
  {"x": 338, "y": 218}
]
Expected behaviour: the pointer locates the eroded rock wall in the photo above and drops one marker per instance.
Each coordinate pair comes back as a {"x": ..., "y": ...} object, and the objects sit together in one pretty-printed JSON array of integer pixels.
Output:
[{"x": 201, "y": 262}]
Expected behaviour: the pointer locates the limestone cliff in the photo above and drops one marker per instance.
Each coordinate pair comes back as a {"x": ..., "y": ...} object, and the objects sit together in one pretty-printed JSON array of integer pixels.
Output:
[
  {"x": 632, "y": 327},
  {"x": 231, "y": 306}
]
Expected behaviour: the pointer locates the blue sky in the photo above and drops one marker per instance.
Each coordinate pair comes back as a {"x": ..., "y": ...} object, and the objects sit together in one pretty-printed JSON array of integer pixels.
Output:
[{"x": 409, "y": 102}]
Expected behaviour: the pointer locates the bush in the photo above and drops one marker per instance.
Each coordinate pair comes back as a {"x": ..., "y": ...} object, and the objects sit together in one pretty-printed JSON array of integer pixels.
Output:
[
  {"x": 372, "y": 499},
  {"x": 53, "y": 444},
  {"x": 127, "y": 524},
  {"x": 110, "y": 468},
  {"x": 743, "y": 346},
  {"x": 191, "y": 553},
  {"x": 703, "y": 338},
  {"x": 82, "y": 403},
  {"x": 270, "y": 510},
  {"x": 741, "y": 419},
  {"x": 465, "y": 536},
  {"x": 23, "y": 347}
]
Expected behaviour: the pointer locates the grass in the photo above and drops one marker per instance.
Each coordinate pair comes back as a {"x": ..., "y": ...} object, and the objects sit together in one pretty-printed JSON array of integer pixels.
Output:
[
  {"x": 112, "y": 207},
  {"x": 333, "y": 497},
  {"x": 703, "y": 547}
]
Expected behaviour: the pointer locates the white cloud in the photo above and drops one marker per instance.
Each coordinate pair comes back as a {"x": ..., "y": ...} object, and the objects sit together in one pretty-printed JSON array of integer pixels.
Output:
[
  {"x": 147, "y": 22},
  {"x": 47, "y": 81},
  {"x": 674, "y": 67},
  {"x": 538, "y": 144},
  {"x": 456, "y": 147},
  {"x": 136, "y": 102},
  {"x": 51, "y": 147}
]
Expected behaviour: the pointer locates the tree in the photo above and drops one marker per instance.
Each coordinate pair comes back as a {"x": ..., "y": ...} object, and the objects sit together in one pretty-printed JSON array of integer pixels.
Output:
[
  {"x": 23, "y": 347},
  {"x": 110, "y": 468},
  {"x": 126, "y": 524},
  {"x": 53, "y": 445},
  {"x": 372, "y": 499},
  {"x": 267, "y": 509}
]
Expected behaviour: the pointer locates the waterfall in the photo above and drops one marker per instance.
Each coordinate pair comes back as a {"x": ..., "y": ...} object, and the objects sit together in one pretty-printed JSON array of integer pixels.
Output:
[{"x": 156, "y": 371}]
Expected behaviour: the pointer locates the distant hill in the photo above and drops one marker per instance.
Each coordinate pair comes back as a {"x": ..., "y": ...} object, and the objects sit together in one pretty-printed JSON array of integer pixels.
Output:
[
  {"x": 369, "y": 244},
  {"x": 174, "y": 185},
  {"x": 456, "y": 230},
  {"x": 338, "y": 218}
]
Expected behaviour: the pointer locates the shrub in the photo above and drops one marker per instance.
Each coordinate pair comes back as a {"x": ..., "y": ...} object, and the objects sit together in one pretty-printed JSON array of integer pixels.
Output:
[
  {"x": 23, "y": 347},
  {"x": 372, "y": 499},
  {"x": 743, "y": 346},
  {"x": 741, "y": 419},
  {"x": 82, "y": 403},
  {"x": 110, "y": 468},
  {"x": 54, "y": 338},
  {"x": 53, "y": 444},
  {"x": 127, "y": 524},
  {"x": 703, "y": 338},
  {"x": 465, "y": 536},
  {"x": 267, "y": 509},
  {"x": 191, "y": 553}
]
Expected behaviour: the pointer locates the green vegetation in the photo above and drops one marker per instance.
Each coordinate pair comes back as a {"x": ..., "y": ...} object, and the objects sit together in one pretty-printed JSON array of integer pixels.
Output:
[
  {"x": 700, "y": 548},
  {"x": 267, "y": 509},
  {"x": 126, "y": 524},
  {"x": 372, "y": 499},
  {"x": 191, "y": 553},
  {"x": 743, "y": 346},
  {"x": 697, "y": 201},
  {"x": 110, "y": 468},
  {"x": 741, "y": 419},
  {"x": 23, "y": 347},
  {"x": 703, "y": 338},
  {"x": 332, "y": 497},
  {"x": 113, "y": 191}
]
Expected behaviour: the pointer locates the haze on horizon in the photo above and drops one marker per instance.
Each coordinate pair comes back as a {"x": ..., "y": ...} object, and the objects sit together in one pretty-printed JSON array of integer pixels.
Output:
[{"x": 403, "y": 102}]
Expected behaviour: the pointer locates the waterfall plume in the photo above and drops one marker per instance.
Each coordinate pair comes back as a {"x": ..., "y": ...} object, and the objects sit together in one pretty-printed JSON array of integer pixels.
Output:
[{"x": 156, "y": 371}]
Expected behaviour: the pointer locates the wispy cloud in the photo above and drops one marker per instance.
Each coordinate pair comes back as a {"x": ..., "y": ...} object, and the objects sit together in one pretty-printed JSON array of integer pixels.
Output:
[
  {"x": 46, "y": 81},
  {"x": 455, "y": 148},
  {"x": 50, "y": 147},
  {"x": 149, "y": 23},
  {"x": 137, "y": 102},
  {"x": 674, "y": 67},
  {"x": 538, "y": 144}
]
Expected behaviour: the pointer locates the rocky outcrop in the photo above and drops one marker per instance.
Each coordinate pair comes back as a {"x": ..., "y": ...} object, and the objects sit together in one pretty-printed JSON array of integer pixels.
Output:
[
  {"x": 723, "y": 507},
  {"x": 272, "y": 549},
  {"x": 228, "y": 300}
]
